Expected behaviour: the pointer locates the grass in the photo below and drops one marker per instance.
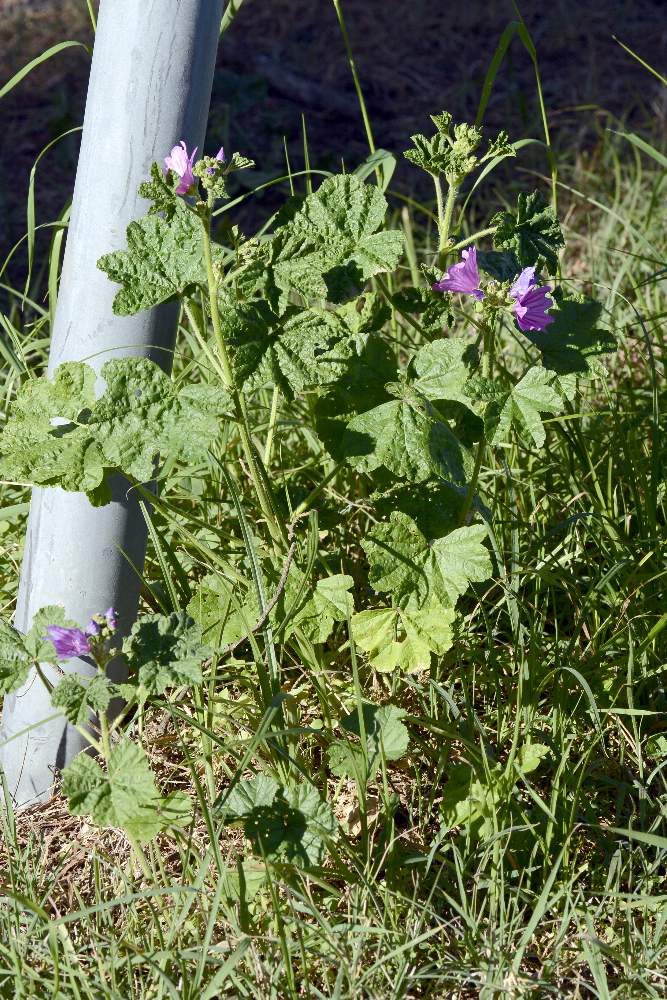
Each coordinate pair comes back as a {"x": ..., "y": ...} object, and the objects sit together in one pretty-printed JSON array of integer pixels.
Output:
[{"x": 561, "y": 890}]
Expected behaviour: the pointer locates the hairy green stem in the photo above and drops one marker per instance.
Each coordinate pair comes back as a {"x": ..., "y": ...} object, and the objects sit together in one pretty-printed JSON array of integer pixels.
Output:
[
  {"x": 276, "y": 528},
  {"x": 314, "y": 493},
  {"x": 447, "y": 221},
  {"x": 488, "y": 350},
  {"x": 273, "y": 416},
  {"x": 444, "y": 218},
  {"x": 471, "y": 239}
]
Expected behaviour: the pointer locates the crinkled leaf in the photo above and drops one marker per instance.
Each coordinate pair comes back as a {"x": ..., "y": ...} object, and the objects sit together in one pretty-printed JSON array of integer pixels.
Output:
[
  {"x": 442, "y": 154},
  {"x": 574, "y": 344},
  {"x": 314, "y": 610},
  {"x": 365, "y": 315},
  {"x": 500, "y": 146},
  {"x": 521, "y": 409},
  {"x": 165, "y": 651},
  {"x": 533, "y": 232},
  {"x": 386, "y": 737},
  {"x": 125, "y": 796},
  {"x": 164, "y": 258},
  {"x": 224, "y": 613},
  {"x": 14, "y": 660},
  {"x": 403, "y": 639},
  {"x": 442, "y": 368},
  {"x": 499, "y": 264},
  {"x": 330, "y": 247},
  {"x": 434, "y": 505},
  {"x": 360, "y": 387},
  {"x": 141, "y": 414},
  {"x": 296, "y": 350},
  {"x": 37, "y": 645},
  {"x": 283, "y": 824},
  {"x": 78, "y": 697},
  {"x": 33, "y": 450},
  {"x": 415, "y": 571},
  {"x": 160, "y": 190},
  {"x": 432, "y": 310},
  {"x": 408, "y": 438}
]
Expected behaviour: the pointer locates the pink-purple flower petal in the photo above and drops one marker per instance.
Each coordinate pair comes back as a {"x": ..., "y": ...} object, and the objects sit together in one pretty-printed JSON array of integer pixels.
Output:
[
  {"x": 523, "y": 283},
  {"x": 180, "y": 162},
  {"x": 462, "y": 277},
  {"x": 531, "y": 309},
  {"x": 68, "y": 642}
]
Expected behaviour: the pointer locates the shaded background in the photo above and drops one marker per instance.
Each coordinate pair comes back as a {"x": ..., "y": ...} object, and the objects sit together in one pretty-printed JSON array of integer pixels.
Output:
[{"x": 282, "y": 58}]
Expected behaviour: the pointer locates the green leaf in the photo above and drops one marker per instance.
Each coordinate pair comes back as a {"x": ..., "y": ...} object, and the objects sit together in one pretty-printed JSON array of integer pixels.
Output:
[
  {"x": 361, "y": 387},
  {"x": 431, "y": 309},
  {"x": 471, "y": 795},
  {"x": 386, "y": 738},
  {"x": 435, "y": 506},
  {"x": 36, "y": 644},
  {"x": 574, "y": 344},
  {"x": 290, "y": 824},
  {"x": 164, "y": 260},
  {"x": 533, "y": 233},
  {"x": 443, "y": 154},
  {"x": 330, "y": 247},
  {"x": 415, "y": 571},
  {"x": 317, "y": 608},
  {"x": 15, "y": 663},
  {"x": 224, "y": 614},
  {"x": 499, "y": 264},
  {"x": 33, "y": 450},
  {"x": 165, "y": 651},
  {"x": 442, "y": 368},
  {"x": 141, "y": 414},
  {"x": 403, "y": 639},
  {"x": 521, "y": 409},
  {"x": 408, "y": 437},
  {"x": 79, "y": 698},
  {"x": 161, "y": 191},
  {"x": 123, "y": 796},
  {"x": 297, "y": 350}
]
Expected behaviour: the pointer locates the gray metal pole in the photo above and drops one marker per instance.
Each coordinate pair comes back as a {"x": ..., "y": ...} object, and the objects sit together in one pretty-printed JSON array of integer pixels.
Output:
[{"x": 150, "y": 86}]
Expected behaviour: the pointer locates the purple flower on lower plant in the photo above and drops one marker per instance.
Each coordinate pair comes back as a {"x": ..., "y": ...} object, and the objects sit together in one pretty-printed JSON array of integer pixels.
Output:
[
  {"x": 181, "y": 164},
  {"x": 531, "y": 301},
  {"x": 68, "y": 642},
  {"x": 462, "y": 277}
]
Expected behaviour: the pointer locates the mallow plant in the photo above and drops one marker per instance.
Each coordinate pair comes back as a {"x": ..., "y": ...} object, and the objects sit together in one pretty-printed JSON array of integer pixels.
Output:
[{"x": 405, "y": 393}]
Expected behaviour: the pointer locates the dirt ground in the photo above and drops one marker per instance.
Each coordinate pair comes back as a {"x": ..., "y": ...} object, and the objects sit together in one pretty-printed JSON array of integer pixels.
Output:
[{"x": 282, "y": 58}]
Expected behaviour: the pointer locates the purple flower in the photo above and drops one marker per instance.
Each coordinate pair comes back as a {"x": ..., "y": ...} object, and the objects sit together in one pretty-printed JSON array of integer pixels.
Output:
[
  {"x": 181, "y": 164},
  {"x": 68, "y": 641},
  {"x": 220, "y": 157},
  {"x": 462, "y": 277},
  {"x": 112, "y": 620},
  {"x": 531, "y": 301},
  {"x": 93, "y": 628}
]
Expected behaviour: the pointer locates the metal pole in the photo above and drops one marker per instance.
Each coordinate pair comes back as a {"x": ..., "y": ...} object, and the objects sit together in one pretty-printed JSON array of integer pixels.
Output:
[{"x": 150, "y": 86}]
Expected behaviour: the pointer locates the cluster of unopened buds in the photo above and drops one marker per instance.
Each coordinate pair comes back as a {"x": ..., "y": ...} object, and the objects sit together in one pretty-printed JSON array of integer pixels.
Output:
[
  {"x": 183, "y": 165},
  {"x": 525, "y": 298},
  {"x": 69, "y": 642}
]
